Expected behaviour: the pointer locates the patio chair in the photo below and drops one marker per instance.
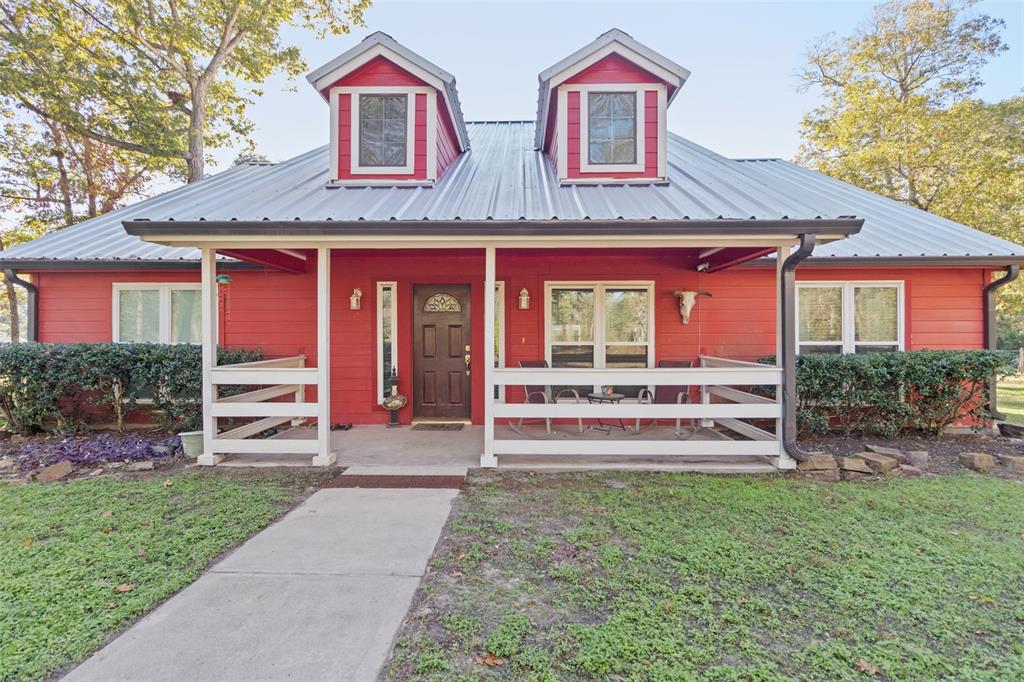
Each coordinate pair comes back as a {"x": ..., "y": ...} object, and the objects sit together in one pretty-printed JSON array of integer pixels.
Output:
[
  {"x": 542, "y": 394},
  {"x": 668, "y": 395}
]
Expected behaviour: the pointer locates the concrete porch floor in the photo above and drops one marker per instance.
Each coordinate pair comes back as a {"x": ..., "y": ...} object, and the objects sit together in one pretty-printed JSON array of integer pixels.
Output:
[{"x": 373, "y": 449}]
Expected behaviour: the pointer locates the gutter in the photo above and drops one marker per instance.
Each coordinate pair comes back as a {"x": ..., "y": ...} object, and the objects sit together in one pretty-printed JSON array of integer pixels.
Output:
[
  {"x": 490, "y": 228},
  {"x": 788, "y": 343},
  {"x": 991, "y": 335},
  {"x": 32, "y": 323},
  {"x": 901, "y": 261}
]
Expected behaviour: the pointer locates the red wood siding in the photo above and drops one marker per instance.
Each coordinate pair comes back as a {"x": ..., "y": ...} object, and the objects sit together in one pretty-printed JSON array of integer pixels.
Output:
[
  {"x": 447, "y": 141},
  {"x": 378, "y": 71},
  {"x": 650, "y": 140},
  {"x": 276, "y": 311},
  {"x": 613, "y": 69}
]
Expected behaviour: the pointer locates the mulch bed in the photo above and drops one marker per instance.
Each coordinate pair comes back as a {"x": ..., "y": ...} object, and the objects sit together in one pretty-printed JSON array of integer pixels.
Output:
[{"x": 943, "y": 450}]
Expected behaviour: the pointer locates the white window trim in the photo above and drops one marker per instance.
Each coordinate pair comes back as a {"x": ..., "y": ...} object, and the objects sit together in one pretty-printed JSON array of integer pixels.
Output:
[
  {"x": 502, "y": 317},
  {"x": 848, "y": 342},
  {"x": 380, "y": 334},
  {"x": 599, "y": 288},
  {"x": 409, "y": 168},
  {"x": 601, "y": 172},
  {"x": 641, "y": 157},
  {"x": 164, "y": 289}
]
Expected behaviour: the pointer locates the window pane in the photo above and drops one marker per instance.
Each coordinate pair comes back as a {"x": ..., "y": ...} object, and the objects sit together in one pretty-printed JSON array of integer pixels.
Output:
[
  {"x": 387, "y": 312},
  {"x": 626, "y": 357},
  {"x": 821, "y": 349},
  {"x": 572, "y": 356},
  {"x": 139, "y": 316},
  {"x": 876, "y": 349},
  {"x": 383, "y": 125},
  {"x": 572, "y": 315},
  {"x": 626, "y": 315},
  {"x": 611, "y": 127},
  {"x": 821, "y": 313},
  {"x": 875, "y": 313},
  {"x": 186, "y": 323}
]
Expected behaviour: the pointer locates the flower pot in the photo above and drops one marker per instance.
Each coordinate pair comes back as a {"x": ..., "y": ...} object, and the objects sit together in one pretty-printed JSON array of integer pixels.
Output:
[{"x": 192, "y": 443}]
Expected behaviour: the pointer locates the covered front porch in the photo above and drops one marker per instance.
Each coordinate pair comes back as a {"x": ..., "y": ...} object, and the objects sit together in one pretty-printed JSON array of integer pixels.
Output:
[{"x": 654, "y": 398}]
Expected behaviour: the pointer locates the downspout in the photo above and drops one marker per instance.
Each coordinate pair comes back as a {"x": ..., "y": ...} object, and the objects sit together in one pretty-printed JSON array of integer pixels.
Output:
[
  {"x": 991, "y": 335},
  {"x": 32, "y": 323},
  {"x": 788, "y": 343}
]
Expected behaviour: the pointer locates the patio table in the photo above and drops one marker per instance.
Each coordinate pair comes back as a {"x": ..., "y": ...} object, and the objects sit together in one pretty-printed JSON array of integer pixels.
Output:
[{"x": 612, "y": 399}]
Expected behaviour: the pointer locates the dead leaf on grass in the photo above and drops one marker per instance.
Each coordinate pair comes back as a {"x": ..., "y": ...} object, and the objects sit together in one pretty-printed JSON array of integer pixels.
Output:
[
  {"x": 168, "y": 483},
  {"x": 28, "y": 542},
  {"x": 492, "y": 660},
  {"x": 866, "y": 667},
  {"x": 142, "y": 553},
  {"x": 124, "y": 587},
  {"x": 455, "y": 574},
  {"x": 107, "y": 514},
  {"x": 112, "y": 605}
]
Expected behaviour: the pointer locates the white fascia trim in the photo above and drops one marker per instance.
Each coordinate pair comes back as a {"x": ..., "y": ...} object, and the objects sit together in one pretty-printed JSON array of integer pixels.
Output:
[
  {"x": 164, "y": 301},
  {"x": 409, "y": 167},
  {"x": 381, "y": 51}
]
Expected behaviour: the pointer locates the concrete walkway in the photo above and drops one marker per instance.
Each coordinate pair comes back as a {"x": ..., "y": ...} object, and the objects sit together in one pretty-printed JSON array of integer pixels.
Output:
[{"x": 319, "y": 595}]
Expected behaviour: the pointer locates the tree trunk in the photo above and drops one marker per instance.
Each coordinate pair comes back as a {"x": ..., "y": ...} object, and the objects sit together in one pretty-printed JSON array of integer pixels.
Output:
[
  {"x": 90, "y": 180},
  {"x": 12, "y": 305},
  {"x": 196, "y": 128}
]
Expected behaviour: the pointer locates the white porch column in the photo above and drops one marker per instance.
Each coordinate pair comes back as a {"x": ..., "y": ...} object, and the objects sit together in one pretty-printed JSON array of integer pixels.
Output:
[
  {"x": 785, "y": 461},
  {"x": 324, "y": 456},
  {"x": 208, "y": 277},
  {"x": 487, "y": 459}
]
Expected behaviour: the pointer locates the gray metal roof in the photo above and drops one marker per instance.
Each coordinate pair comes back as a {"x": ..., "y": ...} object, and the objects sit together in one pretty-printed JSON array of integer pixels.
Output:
[
  {"x": 504, "y": 178},
  {"x": 607, "y": 38},
  {"x": 381, "y": 38}
]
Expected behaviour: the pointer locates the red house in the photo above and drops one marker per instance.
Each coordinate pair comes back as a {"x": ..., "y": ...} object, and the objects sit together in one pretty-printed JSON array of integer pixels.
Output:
[{"x": 507, "y": 270}]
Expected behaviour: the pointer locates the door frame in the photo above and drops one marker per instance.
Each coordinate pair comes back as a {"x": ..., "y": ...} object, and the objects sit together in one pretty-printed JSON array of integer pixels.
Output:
[{"x": 414, "y": 311}]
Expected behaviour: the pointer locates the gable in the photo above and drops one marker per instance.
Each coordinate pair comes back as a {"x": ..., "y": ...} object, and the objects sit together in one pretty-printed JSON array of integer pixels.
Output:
[
  {"x": 378, "y": 71},
  {"x": 613, "y": 69}
]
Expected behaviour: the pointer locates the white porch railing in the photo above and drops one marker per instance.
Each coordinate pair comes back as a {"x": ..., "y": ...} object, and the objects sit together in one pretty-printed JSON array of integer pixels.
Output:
[
  {"x": 279, "y": 377},
  {"x": 725, "y": 402}
]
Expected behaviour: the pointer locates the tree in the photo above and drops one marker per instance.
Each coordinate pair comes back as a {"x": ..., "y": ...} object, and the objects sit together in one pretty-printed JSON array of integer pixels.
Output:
[
  {"x": 163, "y": 78},
  {"x": 900, "y": 117}
]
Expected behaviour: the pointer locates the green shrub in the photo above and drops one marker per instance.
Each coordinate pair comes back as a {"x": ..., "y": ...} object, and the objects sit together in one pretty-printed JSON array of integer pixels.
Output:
[
  {"x": 63, "y": 385},
  {"x": 888, "y": 393}
]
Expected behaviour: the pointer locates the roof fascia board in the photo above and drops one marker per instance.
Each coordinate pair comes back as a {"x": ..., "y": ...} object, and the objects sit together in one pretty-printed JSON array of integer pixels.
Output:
[{"x": 30, "y": 265}]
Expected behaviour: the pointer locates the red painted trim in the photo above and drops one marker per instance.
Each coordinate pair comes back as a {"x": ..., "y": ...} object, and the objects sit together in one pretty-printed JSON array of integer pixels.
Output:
[{"x": 267, "y": 257}]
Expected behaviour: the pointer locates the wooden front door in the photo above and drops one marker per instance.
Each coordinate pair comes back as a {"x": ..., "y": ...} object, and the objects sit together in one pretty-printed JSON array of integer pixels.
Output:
[{"x": 441, "y": 342}]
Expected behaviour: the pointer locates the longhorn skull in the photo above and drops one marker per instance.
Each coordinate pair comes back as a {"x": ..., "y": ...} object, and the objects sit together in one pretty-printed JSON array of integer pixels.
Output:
[{"x": 687, "y": 299}]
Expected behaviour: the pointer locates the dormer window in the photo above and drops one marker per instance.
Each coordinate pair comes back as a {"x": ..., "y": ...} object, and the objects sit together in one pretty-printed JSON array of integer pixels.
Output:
[
  {"x": 383, "y": 126},
  {"x": 395, "y": 117},
  {"x": 602, "y": 112}
]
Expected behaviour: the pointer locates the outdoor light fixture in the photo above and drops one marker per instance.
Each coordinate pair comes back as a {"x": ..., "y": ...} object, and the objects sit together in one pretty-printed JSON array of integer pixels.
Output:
[
  {"x": 355, "y": 301},
  {"x": 687, "y": 299},
  {"x": 524, "y": 299},
  {"x": 223, "y": 279}
]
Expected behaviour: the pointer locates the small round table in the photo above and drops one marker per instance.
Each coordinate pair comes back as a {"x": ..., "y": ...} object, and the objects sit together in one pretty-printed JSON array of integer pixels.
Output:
[{"x": 611, "y": 399}]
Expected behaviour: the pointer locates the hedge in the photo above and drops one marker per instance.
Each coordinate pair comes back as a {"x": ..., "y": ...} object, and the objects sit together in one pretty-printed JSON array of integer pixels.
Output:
[
  {"x": 63, "y": 386},
  {"x": 891, "y": 393}
]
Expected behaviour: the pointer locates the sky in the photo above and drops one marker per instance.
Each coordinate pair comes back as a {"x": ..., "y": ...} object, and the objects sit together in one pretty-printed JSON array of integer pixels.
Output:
[{"x": 742, "y": 99}]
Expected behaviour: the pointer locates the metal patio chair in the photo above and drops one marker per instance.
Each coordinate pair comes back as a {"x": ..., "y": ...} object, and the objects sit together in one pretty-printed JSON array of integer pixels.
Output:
[
  {"x": 542, "y": 395},
  {"x": 669, "y": 395}
]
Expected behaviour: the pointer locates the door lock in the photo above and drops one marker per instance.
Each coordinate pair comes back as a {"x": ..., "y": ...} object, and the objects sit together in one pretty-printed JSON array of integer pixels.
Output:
[{"x": 468, "y": 359}]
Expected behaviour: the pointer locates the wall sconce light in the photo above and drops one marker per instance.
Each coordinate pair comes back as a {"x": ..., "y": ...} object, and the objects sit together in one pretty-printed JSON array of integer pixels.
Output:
[
  {"x": 223, "y": 279},
  {"x": 524, "y": 299},
  {"x": 355, "y": 300},
  {"x": 687, "y": 299}
]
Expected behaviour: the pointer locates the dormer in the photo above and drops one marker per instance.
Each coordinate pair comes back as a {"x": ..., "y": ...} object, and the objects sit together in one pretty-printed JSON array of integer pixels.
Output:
[
  {"x": 395, "y": 117},
  {"x": 601, "y": 112}
]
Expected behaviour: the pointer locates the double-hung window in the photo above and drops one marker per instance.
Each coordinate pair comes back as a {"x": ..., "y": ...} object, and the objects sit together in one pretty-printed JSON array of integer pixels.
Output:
[
  {"x": 383, "y": 132},
  {"x": 157, "y": 313},
  {"x": 612, "y": 129},
  {"x": 600, "y": 325},
  {"x": 850, "y": 317}
]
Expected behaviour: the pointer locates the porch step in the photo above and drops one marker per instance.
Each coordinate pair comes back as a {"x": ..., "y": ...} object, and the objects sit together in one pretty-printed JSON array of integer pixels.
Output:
[{"x": 700, "y": 467}]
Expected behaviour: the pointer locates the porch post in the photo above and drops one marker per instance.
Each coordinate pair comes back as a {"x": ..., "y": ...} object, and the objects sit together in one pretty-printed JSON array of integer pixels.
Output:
[
  {"x": 487, "y": 459},
  {"x": 324, "y": 456},
  {"x": 208, "y": 277}
]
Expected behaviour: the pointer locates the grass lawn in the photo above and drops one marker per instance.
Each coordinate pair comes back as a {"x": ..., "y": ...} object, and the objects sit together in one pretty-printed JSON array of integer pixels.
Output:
[
  {"x": 1010, "y": 398},
  {"x": 679, "y": 577},
  {"x": 82, "y": 560}
]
